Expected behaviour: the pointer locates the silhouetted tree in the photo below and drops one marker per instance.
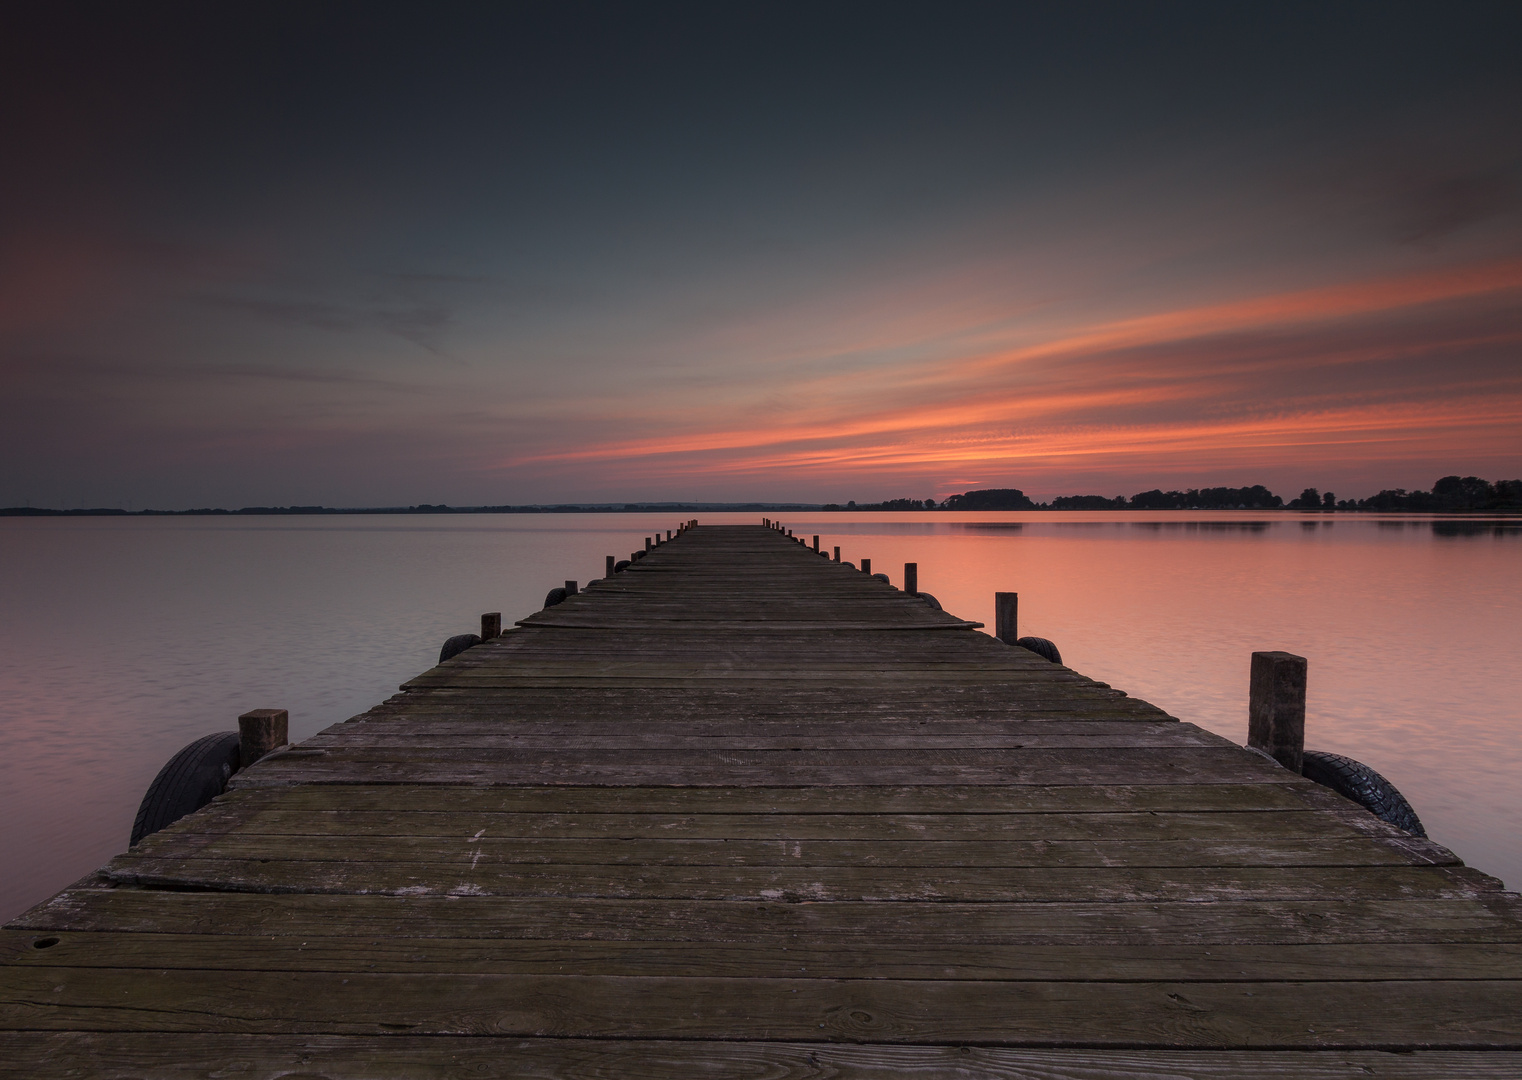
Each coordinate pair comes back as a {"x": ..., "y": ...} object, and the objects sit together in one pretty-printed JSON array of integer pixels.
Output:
[
  {"x": 990, "y": 499},
  {"x": 1088, "y": 502}
]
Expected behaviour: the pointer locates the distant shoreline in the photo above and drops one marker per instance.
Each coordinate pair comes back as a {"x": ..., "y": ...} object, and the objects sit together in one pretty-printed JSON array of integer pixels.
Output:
[
  {"x": 648, "y": 508},
  {"x": 314, "y": 511}
]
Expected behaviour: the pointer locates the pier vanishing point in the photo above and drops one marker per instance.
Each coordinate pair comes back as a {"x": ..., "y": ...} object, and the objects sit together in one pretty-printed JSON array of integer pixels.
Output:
[{"x": 743, "y": 811}]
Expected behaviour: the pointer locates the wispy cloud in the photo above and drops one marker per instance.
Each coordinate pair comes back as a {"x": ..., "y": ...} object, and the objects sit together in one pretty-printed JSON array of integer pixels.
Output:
[
  {"x": 1284, "y": 377},
  {"x": 420, "y": 323}
]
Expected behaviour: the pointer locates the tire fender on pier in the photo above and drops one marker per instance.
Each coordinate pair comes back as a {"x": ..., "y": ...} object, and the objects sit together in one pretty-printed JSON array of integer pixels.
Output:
[
  {"x": 458, "y": 644},
  {"x": 1355, "y": 780},
  {"x": 1042, "y": 647},
  {"x": 187, "y": 782}
]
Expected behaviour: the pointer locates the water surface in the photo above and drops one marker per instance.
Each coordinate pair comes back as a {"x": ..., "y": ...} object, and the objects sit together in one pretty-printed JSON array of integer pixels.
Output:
[{"x": 124, "y": 639}]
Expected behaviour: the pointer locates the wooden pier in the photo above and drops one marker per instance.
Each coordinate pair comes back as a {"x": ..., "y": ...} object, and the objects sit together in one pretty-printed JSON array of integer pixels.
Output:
[{"x": 742, "y": 811}]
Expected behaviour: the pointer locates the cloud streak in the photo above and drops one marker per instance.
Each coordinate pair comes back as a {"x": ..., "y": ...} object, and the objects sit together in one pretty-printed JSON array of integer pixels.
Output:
[{"x": 1256, "y": 379}]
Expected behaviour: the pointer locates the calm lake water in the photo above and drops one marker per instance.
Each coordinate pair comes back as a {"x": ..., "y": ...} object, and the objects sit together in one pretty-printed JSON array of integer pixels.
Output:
[{"x": 124, "y": 639}]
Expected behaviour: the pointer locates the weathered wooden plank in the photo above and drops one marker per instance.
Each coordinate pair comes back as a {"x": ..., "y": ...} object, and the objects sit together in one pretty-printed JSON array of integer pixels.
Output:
[
  {"x": 1008, "y": 884},
  {"x": 1485, "y": 917},
  {"x": 885, "y": 801},
  {"x": 1264, "y": 1015},
  {"x": 412, "y": 830},
  {"x": 320, "y": 769},
  {"x": 1089, "y": 760},
  {"x": 119, "y": 1056},
  {"x": 481, "y": 737},
  {"x": 875, "y": 959},
  {"x": 474, "y": 852},
  {"x": 674, "y": 617}
]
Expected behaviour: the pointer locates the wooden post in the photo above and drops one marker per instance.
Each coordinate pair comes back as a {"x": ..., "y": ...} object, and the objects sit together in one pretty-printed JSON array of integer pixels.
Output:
[
  {"x": 611, "y": 562},
  {"x": 767, "y": 522},
  {"x": 837, "y": 554},
  {"x": 912, "y": 578},
  {"x": 866, "y": 566},
  {"x": 491, "y": 625},
  {"x": 647, "y": 543},
  {"x": 1276, "y": 707},
  {"x": 259, "y": 732},
  {"x": 668, "y": 534},
  {"x": 790, "y": 532},
  {"x": 570, "y": 588},
  {"x": 816, "y": 543},
  {"x": 1006, "y": 617}
]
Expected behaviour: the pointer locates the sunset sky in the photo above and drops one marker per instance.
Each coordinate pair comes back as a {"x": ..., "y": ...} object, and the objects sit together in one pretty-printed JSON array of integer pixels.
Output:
[{"x": 360, "y": 255}]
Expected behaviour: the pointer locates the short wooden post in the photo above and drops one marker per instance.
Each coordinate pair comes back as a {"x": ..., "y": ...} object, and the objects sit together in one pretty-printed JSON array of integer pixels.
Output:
[
  {"x": 611, "y": 563},
  {"x": 790, "y": 532},
  {"x": 1276, "y": 707},
  {"x": 668, "y": 534},
  {"x": 912, "y": 578},
  {"x": 837, "y": 554},
  {"x": 1007, "y": 617},
  {"x": 570, "y": 588},
  {"x": 866, "y": 566},
  {"x": 647, "y": 543},
  {"x": 767, "y": 522},
  {"x": 491, "y": 625},
  {"x": 259, "y": 732},
  {"x": 816, "y": 543}
]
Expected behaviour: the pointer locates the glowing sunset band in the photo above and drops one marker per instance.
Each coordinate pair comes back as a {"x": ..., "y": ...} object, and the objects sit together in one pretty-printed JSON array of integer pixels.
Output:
[{"x": 1283, "y": 379}]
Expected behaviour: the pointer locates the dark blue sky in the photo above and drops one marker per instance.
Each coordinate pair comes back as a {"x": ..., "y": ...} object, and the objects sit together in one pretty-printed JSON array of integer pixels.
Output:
[{"x": 361, "y": 255}]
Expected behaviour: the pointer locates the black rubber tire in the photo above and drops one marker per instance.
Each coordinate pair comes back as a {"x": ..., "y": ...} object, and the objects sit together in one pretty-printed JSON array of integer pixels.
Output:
[
  {"x": 622, "y": 565},
  {"x": 458, "y": 644},
  {"x": 1356, "y": 781},
  {"x": 555, "y": 596},
  {"x": 883, "y": 578},
  {"x": 932, "y": 601},
  {"x": 187, "y": 782},
  {"x": 1043, "y": 648}
]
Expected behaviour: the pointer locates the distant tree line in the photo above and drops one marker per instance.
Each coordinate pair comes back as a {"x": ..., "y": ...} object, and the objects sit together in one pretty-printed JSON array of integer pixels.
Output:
[
  {"x": 891, "y": 504},
  {"x": 421, "y": 508},
  {"x": 1451, "y": 494}
]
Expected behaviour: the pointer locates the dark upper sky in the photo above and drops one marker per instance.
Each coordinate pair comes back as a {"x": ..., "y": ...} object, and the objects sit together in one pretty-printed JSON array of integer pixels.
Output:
[{"x": 353, "y": 255}]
